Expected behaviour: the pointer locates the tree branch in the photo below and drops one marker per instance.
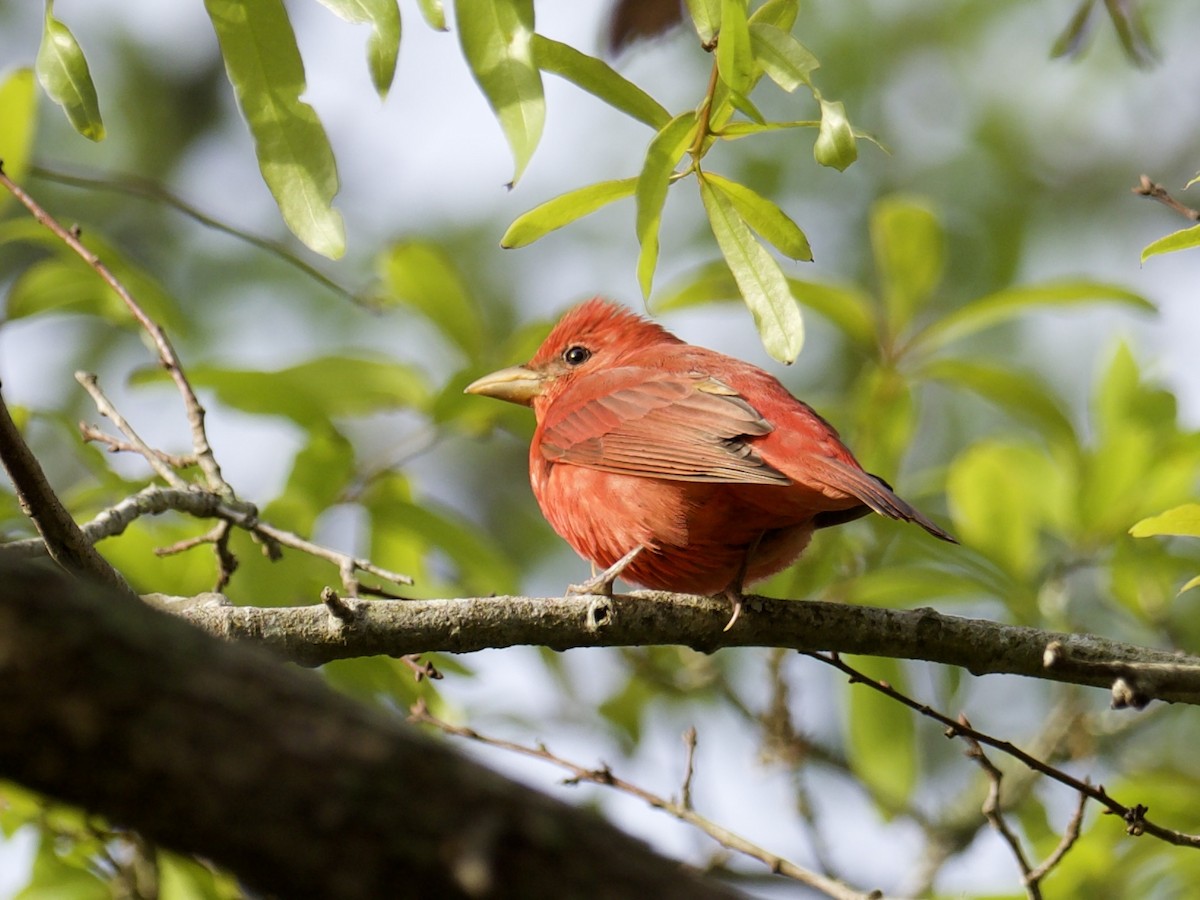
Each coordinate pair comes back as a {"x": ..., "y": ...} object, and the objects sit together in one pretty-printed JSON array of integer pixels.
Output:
[
  {"x": 309, "y": 635},
  {"x": 218, "y": 750}
]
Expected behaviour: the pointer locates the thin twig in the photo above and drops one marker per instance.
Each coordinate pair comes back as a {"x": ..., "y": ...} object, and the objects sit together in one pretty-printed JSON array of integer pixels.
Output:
[
  {"x": 1155, "y": 191},
  {"x": 604, "y": 776},
  {"x": 689, "y": 767},
  {"x": 106, "y": 409},
  {"x": 93, "y": 435},
  {"x": 1134, "y": 817},
  {"x": 994, "y": 813},
  {"x": 166, "y": 352},
  {"x": 346, "y": 563},
  {"x": 1070, "y": 836}
]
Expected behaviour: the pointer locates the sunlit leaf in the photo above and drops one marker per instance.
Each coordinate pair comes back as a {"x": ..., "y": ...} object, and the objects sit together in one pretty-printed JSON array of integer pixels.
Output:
[
  {"x": 434, "y": 13},
  {"x": 778, "y": 13},
  {"x": 64, "y": 76},
  {"x": 18, "y": 124},
  {"x": 735, "y": 59},
  {"x": 706, "y": 16},
  {"x": 908, "y": 245},
  {"x": 758, "y": 276},
  {"x": 497, "y": 41},
  {"x": 835, "y": 146},
  {"x": 663, "y": 154},
  {"x": 784, "y": 59},
  {"x": 383, "y": 47},
  {"x": 735, "y": 130},
  {"x": 1182, "y": 520},
  {"x": 1009, "y": 303},
  {"x": 422, "y": 276},
  {"x": 761, "y": 214},
  {"x": 563, "y": 210},
  {"x": 267, "y": 74},
  {"x": 1185, "y": 239},
  {"x": 881, "y": 736},
  {"x": 599, "y": 78}
]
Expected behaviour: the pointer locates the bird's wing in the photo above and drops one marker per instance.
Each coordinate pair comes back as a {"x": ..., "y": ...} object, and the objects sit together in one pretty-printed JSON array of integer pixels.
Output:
[{"x": 659, "y": 425}]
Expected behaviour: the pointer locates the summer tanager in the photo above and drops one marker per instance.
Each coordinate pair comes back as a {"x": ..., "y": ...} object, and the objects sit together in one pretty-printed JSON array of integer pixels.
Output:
[{"x": 677, "y": 467}]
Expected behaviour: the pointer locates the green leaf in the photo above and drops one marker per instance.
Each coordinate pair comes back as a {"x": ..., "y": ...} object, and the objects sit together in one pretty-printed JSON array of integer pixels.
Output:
[
  {"x": 1009, "y": 303},
  {"x": 784, "y": 59},
  {"x": 1194, "y": 582},
  {"x": 735, "y": 130},
  {"x": 434, "y": 14},
  {"x": 421, "y": 275},
  {"x": 663, "y": 154},
  {"x": 758, "y": 277},
  {"x": 835, "y": 145},
  {"x": 599, "y": 78},
  {"x": 184, "y": 878},
  {"x": 1179, "y": 240},
  {"x": 1182, "y": 520},
  {"x": 1022, "y": 395},
  {"x": 497, "y": 41},
  {"x": 706, "y": 16},
  {"x": 882, "y": 739},
  {"x": 320, "y": 473},
  {"x": 18, "y": 124},
  {"x": 64, "y": 76},
  {"x": 314, "y": 391},
  {"x": 294, "y": 156},
  {"x": 383, "y": 47},
  {"x": 735, "y": 59},
  {"x": 761, "y": 214},
  {"x": 908, "y": 244},
  {"x": 779, "y": 13},
  {"x": 563, "y": 210}
]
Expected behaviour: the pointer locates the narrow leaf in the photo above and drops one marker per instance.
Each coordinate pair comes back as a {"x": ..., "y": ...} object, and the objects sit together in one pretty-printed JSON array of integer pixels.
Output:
[
  {"x": 18, "y": 123},
  {"x": 761, "y": 214},
  {"x": 735, "y": 130},
  {"x": 835, "y": 145},
  {"x": 64, "y": 76},
  {"x": 267, "y": 74},
  {"x": 497, "y": 41},
  {"x": 599, "y": 78},
  {"x": 1182, "y": 520},
  {"x": 663, "y": 154},
  {"x": 1009, "y": 303},
  {"x": 1179, "y": 240},
  {"x": 758, "y": 277},
  {"x": 779, "y": 13},
  {"x": 564, "y": 209},
  {"x": 434, "y": 13},
  {"x": 735, "y": 59},
  {"x": 383, "y": 48},
  {"x": 784, "y": 59},
  {"x": 706, "y": 16}
]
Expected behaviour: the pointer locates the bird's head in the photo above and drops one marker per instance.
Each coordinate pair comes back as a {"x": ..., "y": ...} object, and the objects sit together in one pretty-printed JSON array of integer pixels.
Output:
[{"x": 596, "y": 335}]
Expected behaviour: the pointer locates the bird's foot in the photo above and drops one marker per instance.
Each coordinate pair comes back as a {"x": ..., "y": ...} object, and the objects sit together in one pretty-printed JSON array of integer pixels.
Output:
[
  {"x": 733, "y": 594},
  {"x": 602, "y": 584}
]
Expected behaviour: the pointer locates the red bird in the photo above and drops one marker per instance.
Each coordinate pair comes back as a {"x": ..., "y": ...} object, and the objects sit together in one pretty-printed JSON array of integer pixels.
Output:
[{"x": 677, "y": 467}]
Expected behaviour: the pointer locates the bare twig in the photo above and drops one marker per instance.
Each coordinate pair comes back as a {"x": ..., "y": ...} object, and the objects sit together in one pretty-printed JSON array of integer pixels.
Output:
[
  {"x": 93, "y": 435},
  {"x": 1134, "y": 817},
  {"x": 346, "y": 563},
  {"x": 685, "y": 792},
  {"x": 166, "y": 353},
  {"x": 1070, "y": 836},
  {"x": 604, "y": 776},
  {"x": 1155, "y": 191},
  {"x": 106, "y": 409}
]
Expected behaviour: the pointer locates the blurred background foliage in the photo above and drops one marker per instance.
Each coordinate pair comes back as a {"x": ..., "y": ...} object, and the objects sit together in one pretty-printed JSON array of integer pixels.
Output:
[{"x": 978, "y": 328}]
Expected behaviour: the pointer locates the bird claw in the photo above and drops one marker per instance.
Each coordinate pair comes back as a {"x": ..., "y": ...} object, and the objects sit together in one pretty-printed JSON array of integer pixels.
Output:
[
  {"x": 735, "y": 601},
  {"x": 602, "y": 584}
]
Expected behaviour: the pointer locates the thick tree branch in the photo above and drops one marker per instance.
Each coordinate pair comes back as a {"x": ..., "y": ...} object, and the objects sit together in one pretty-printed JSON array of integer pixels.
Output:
[
  {"x": 310, "y": 635},
  {"x": 218, "y": 750}
]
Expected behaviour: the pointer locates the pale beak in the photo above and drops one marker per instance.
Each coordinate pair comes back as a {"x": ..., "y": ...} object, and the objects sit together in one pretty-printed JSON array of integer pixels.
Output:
[{"x": 516, "y": 384}]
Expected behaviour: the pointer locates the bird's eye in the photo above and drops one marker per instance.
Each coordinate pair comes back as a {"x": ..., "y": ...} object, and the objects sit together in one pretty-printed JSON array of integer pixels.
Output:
[{"x": 576, "y": 356}]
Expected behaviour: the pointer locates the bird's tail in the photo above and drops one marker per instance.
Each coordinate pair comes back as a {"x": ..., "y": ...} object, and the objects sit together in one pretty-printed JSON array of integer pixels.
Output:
[{"x": 875, "y": 493}]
